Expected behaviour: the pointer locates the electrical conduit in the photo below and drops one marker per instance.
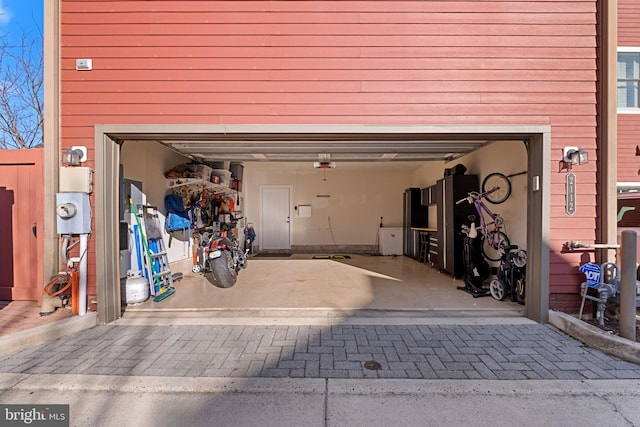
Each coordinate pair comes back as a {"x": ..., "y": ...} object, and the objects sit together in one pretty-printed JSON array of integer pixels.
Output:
[{"x": 82, "y": 291}]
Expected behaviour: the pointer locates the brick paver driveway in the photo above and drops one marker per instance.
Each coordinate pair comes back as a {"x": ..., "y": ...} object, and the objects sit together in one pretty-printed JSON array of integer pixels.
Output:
[{"x": 530, "y": 351}]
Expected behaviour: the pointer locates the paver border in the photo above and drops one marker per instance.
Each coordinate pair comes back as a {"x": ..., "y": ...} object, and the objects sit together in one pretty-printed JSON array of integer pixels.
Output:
[{"x": 595, "y": 337}]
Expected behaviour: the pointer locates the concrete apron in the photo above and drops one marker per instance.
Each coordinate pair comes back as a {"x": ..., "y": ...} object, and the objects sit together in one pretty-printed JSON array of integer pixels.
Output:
[{"x": 169, "y": 401}]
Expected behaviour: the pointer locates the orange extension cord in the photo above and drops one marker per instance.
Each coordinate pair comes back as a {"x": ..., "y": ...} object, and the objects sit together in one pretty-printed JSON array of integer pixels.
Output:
[{"x": 71, "y": 280}]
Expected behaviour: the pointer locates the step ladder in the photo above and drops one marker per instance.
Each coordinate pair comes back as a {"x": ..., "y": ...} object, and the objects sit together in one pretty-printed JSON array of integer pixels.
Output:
[{"x": 157, "y": 268}]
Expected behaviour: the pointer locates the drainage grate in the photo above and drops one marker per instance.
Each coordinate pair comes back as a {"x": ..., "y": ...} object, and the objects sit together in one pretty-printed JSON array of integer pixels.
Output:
[{"x": 372, "y": 365}]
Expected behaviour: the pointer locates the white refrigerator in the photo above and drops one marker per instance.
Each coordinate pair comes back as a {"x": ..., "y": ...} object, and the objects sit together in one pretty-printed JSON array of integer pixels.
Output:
[{"x": 390, "y": 240}]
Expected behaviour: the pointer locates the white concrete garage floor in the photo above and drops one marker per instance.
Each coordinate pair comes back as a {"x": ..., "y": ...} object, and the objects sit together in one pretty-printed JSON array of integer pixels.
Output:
[{"x": 362, "y": 283}]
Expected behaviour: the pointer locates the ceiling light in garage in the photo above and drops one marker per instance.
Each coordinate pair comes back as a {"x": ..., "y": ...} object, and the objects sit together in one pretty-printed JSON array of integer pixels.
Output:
[{"x": 324, "y": 164}]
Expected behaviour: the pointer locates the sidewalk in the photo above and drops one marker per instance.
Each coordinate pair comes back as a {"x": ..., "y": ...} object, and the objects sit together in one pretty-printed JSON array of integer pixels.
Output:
[{"x": 113, "y": 401}]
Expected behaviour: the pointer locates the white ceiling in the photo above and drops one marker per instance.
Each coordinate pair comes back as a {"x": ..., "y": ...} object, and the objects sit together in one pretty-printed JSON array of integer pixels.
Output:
[
  {"x": 347, "y": 146},
  {"x": 300, "y": 147}
]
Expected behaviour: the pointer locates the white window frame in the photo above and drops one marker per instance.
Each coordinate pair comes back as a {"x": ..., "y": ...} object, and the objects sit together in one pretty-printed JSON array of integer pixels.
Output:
[{"x": 627, "y": 110}]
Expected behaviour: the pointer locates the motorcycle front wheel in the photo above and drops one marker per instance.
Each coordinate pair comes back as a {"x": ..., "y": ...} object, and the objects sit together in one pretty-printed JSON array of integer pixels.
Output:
[{"x": 221, "y": 272}]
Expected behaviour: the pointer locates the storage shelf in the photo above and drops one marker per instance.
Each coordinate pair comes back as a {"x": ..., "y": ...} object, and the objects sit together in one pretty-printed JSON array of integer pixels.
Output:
[{"x": 197, "y": 182}]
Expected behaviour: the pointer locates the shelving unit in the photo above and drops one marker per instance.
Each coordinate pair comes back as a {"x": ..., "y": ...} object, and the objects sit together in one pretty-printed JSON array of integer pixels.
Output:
[
  {"x": 197, "y": 182},
  {"x": 451, "y": 216}
]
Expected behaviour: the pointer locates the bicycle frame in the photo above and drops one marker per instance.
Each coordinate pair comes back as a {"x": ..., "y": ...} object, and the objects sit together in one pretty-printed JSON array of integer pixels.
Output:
[
  {"x": 492, "y": 235},
  {"x": 484, "y": 225},
  {"x": 484, "y": 211}
]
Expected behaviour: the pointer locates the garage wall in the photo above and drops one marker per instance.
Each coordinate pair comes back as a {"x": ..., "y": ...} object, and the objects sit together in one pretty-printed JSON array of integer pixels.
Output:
[
  {"x": 359, "y": 193},
  {"x": 506, "y": 157},
  {"x": 147, "y": 162},
  {"x": 358, "y": 196},
  {"x": 361, "y": 62}
]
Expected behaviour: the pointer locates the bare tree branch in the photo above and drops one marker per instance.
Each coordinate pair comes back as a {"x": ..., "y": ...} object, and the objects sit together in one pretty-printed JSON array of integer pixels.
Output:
[{"x": 21, "y": 96}]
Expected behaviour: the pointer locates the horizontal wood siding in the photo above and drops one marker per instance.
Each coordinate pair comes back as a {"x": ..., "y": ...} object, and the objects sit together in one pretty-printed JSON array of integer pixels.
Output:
[
  {"x": 359, "y": 62},
  {"x": 628, "y": 124},
  {"x": 628, "y": 140},
  {"x": 628, "y": 23}
]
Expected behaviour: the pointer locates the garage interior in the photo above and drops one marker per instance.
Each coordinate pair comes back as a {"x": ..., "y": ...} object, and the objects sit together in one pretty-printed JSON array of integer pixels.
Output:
[{"x": 345, "y": 208}]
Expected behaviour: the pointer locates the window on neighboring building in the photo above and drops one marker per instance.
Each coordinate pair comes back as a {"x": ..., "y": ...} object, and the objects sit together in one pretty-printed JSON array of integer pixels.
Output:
[{"x": 629, "y": 79}]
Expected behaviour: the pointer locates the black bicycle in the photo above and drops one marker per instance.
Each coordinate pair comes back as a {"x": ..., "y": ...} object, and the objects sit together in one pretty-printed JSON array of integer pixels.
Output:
[{"x": 498, "y": 186}]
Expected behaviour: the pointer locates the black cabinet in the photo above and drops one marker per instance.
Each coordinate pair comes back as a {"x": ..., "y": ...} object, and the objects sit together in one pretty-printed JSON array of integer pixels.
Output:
[
  {"x": 414, "y": 215},
  {"x": 451, "y": 217},
  {"x": 428, "y": 196}
]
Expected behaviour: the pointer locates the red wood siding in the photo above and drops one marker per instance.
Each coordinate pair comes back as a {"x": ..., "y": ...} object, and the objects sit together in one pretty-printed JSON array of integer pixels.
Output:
[
  {"x": 21, "y": 208},
  {"x": 628, "y": 23},
  {"x": 628, "y": 139},
  {"x": 359, "y": 62},
  {"x": 628, "y": 124}
]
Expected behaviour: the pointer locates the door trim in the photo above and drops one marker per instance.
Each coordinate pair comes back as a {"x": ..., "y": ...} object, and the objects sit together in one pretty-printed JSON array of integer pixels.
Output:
[{"x": 538, "y": 138}]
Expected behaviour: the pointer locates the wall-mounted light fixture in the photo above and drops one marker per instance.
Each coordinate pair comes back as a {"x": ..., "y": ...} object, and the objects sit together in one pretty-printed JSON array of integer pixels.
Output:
[
  {"x": 74, "y": 156},
  {"x": 574, "y": 156}
]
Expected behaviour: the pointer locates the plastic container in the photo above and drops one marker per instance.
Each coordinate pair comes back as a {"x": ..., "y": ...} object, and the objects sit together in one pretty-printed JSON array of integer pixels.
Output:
[
  {"x": 224, "y": 175},
  {"x": 136, "y": 288},
  {"x": 200, "y": 172}
]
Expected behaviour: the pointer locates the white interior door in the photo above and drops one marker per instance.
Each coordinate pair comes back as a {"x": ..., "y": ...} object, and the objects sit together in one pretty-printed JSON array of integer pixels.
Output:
[{"x": 275, "y": 230}]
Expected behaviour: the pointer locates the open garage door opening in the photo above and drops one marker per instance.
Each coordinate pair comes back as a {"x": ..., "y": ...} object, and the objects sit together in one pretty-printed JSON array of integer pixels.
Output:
[{"x": 337, "y": 252}]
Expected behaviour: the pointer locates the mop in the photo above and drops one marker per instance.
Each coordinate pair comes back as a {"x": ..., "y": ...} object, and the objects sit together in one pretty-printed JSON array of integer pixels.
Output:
[{"x": 161, "y": 293}]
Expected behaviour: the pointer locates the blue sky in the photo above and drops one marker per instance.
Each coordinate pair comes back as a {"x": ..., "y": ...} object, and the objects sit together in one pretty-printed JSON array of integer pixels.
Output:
[
  {"x": 17, "y": 16},
  {"x": 18, "y": 19}
]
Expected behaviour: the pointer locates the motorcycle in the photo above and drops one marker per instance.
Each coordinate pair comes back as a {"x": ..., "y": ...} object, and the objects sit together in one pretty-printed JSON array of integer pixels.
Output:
[{"x": 219, "y": 256}]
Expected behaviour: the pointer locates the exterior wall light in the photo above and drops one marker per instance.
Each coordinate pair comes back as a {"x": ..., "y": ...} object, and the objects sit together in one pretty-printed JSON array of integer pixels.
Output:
[
  {"x": 74, "y": 156},
  {"x": 574, "y": 156}
]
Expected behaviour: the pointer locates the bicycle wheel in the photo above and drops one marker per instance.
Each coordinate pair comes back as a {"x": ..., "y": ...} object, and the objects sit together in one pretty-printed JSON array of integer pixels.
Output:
[
  {"x": 520, "y": 258},
  {"x": 519, "y": 291},
  {"x": 502, "y": 185},
  {"x": 494, "y": 244},
  {"x": 498, "y": 289}
]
